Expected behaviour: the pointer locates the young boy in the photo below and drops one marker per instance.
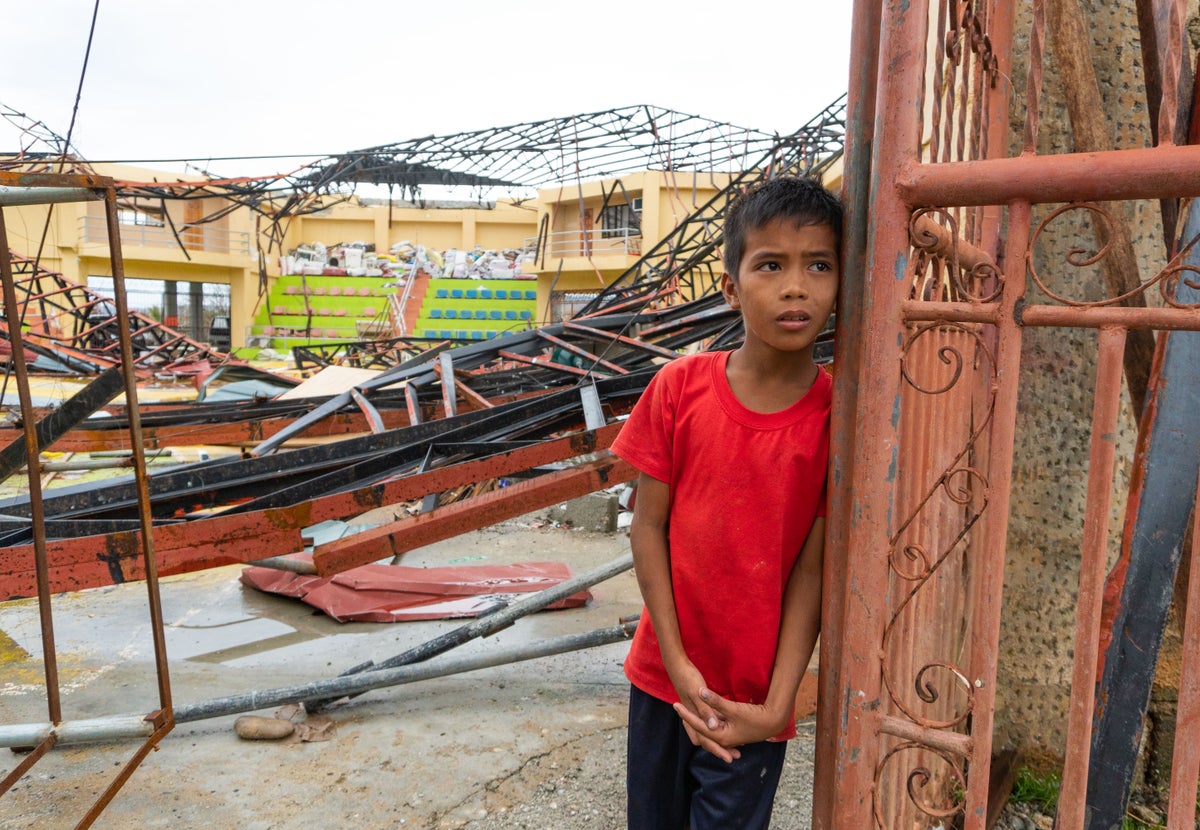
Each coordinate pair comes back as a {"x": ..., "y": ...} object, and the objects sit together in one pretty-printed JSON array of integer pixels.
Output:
[{"x": 728, "y": 527}]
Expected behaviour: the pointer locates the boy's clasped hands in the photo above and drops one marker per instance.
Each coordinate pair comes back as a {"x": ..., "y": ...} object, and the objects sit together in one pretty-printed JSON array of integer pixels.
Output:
[{"x": 719, "y": 725}]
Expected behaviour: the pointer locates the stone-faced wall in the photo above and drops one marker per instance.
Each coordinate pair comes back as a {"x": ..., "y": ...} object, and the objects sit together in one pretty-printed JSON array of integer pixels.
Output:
[{"x": 1055, "y": 405}]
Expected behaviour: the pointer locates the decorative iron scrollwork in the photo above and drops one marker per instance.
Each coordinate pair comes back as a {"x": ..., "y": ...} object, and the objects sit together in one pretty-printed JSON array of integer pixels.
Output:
[
  {"x": 939, "y": 240},
  {"x": 911, "y": 562},
  {"x": 918, "y": 781},
  {"x": 1167, "y": 280}
]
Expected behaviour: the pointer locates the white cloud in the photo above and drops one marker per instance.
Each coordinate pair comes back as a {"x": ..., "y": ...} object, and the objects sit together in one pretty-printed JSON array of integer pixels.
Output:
[{"x": 251, "y": 77}]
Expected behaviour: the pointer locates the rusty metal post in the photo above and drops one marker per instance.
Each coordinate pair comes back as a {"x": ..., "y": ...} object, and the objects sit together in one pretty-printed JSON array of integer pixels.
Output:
[
  {"x": 860, "y": 118},
  {"x": 137, "y": 450},
  {"x": 1105, "y": 414},
  {"x": 1185, "y": 761},
  {"x": 12, "y": 313},
  {"x": 872, "y": 442},
  {"x": 985, "y": 624}
]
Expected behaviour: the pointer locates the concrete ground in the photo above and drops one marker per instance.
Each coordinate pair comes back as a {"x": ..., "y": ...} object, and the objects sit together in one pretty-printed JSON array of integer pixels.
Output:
[{"x": 538, "y": 744}]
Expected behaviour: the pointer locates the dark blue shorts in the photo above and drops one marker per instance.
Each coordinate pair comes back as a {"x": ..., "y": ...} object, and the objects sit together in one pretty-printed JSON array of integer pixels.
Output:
[{"x": 673, "y": 785}]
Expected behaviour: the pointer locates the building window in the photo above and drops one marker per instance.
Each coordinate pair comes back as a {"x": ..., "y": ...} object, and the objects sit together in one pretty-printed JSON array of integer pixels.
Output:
[
  {"x": 130, "y": 216},
  {"x": 621, "y": 220},
  {"x": 564, "y": 305}
]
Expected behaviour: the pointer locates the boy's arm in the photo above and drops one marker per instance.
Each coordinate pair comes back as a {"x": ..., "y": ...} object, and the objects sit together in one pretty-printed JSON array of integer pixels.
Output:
[
  {"x": 648, "y": 539},
  {"x": 743, "y": 723}
]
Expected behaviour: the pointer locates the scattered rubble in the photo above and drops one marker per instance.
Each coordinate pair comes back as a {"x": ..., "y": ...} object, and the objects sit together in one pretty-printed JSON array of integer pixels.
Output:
[{"x": 360, "y": 259}]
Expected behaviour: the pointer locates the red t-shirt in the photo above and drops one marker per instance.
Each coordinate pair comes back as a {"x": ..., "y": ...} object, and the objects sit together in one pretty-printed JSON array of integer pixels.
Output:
[{"x": 745, "y": 488}]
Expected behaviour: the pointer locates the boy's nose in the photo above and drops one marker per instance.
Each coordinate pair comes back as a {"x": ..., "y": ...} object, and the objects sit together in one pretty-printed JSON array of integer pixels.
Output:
[{"x": 795, "y": 286}]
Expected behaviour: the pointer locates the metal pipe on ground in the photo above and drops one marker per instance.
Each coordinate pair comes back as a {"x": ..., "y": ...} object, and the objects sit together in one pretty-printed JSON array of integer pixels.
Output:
[
  {"x": 127, "y": 726},
  {"x": 488, "y": 624}
]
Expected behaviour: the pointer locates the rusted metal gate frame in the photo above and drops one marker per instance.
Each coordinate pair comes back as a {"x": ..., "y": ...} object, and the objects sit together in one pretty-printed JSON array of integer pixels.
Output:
[
  {"x": 51, "y": 188},
  {"x": 886, "y": 184}
]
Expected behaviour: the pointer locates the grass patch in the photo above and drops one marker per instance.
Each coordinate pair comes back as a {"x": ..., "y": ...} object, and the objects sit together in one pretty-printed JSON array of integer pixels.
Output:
[{"x": 1040, "y": 791}]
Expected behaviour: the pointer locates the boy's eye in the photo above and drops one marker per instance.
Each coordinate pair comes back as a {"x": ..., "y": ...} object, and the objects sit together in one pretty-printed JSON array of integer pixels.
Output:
[
  {"x": 822, "y": 266},
  {"x": 769, "y": 266}
]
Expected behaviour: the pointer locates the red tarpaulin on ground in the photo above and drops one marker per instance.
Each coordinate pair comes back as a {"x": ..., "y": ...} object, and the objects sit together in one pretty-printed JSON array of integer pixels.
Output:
[{"x": 392, "y": 593}]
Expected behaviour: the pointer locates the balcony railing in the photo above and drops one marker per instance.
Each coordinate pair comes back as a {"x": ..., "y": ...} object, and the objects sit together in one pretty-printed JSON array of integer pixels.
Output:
[
  {"x": 92, "y": 229},
  {"x": 589, "y": 243}
]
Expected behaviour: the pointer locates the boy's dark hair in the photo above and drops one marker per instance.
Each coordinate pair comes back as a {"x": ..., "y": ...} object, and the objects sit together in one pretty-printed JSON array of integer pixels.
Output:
[{"x": 798, "y": 200}]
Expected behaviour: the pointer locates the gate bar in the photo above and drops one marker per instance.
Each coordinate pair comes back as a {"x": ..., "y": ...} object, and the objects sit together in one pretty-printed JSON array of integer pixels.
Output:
[
  {"x": 861, "y": 525},
  {"x": 1092, "y": 570},
  {"x": 831, "y": 674},
  {"x": 1165, "y": 171},
  {"x": 1185, "y": 760},
  {"x": 987, "y": 600},
  {"x": 1165, "y": 318}
]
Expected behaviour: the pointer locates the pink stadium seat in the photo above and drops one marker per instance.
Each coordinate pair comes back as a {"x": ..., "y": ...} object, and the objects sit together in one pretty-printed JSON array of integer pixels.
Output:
[
  {"x": 334, "y": 291},
  {"x": 279, "y": 310},
  {"x": 322, "y": 312},
  {"x": 269, "y": 331},
  {"x": 365, "y": 291},
  {"x": 319, "y": 291},
  {"x": 339, "y": 312},
  {"x": 291, "y": 289},
  {"x": 369, "y": 311},
  {"x": 332, "y": 333}
]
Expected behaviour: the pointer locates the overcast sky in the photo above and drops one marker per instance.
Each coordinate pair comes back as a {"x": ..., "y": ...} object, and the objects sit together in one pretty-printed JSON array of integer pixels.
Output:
[{"x": 170, "y": 79}]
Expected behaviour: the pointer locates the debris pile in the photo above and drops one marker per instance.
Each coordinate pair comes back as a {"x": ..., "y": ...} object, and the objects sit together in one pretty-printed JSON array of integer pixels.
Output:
[{"x": 359, "y": 259}]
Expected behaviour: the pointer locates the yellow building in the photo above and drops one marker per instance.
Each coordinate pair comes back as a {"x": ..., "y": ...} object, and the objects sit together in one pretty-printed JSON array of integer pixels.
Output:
[
  {"x": 206, "y": 269},
  {"x": 593, "y": 232},
  {"x": 585, "y": 234}
]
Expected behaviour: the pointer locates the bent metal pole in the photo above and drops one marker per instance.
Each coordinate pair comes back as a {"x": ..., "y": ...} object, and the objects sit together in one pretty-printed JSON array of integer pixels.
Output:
[{"x": 129, "y": 726}]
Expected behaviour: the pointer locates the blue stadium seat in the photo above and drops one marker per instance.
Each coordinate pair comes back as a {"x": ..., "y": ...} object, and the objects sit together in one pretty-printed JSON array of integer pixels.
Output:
[
  {"x": 442, "y": 294},
  {"x": 435, "y": 314},
  {"x": 472, "y": 294},
  {"x": 476, "y": 335},
  {"x": 501, "y": 294},
  {"x": 480, "y": 314},
  {"x": 530, "y": 294},
  {"x": 510, "y": 315},
  {"x": 461, "y": 335},
  {"x": 456, "y": 293},
  {"x": 451, "y": 314},
  {"x": 485, "y": 293},
  {"x": 496, "y": 314},
  {"x": 446, "y": 335},
  {"x": 525, "y": 315}
]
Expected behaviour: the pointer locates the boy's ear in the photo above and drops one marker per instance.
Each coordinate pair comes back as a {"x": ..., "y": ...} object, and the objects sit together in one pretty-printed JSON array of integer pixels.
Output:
[{"x": 729, "y": 289}]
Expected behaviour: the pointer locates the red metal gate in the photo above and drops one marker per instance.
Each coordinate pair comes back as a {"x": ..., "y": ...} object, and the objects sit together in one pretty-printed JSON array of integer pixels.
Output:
[{"x": 939, "y": 286}]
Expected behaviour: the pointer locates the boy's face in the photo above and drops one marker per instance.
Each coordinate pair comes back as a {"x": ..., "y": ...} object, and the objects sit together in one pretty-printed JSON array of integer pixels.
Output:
[{"x": 786, "y": 285}]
